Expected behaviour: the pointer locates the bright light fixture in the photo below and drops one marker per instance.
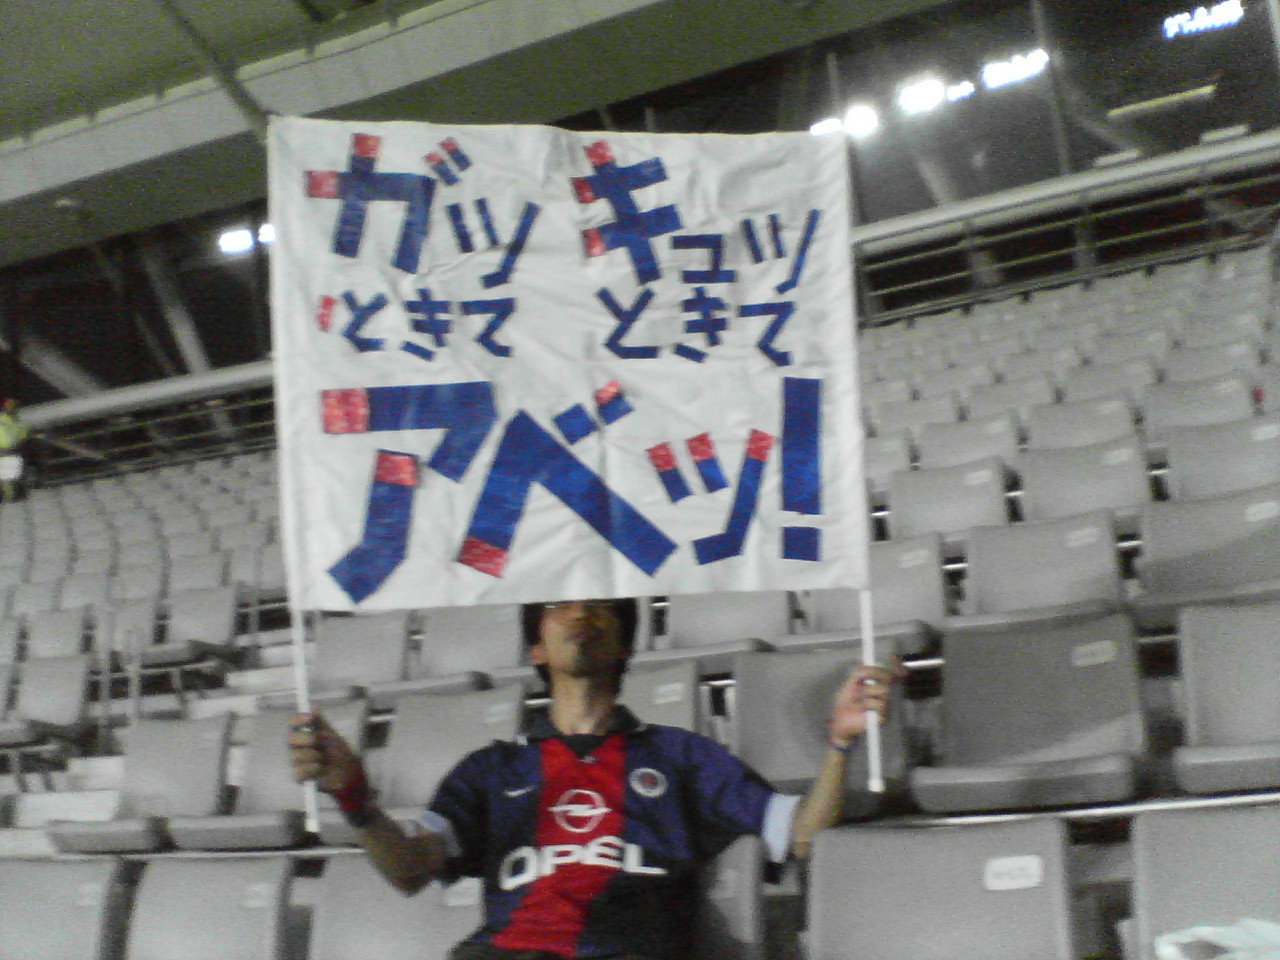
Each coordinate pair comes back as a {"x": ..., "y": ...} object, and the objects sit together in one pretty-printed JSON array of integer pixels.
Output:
[
  {"x": 829, "y": 125},
  {"x": 1022, "y": 66},
  {"x": 236, "y": 241},
  {"x": 861, "y": 120},
  {"x": 921, "y": 96},
  {"x": 266, "y": 233},
  {"x": 1225, "y": 14},
  {"x": 960, "y": 91}
]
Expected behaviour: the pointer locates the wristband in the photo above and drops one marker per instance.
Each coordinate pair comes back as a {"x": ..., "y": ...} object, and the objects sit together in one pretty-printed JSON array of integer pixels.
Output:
[
  {"x": 842, "y": 747},
  {"x": 356, "y": 802}
]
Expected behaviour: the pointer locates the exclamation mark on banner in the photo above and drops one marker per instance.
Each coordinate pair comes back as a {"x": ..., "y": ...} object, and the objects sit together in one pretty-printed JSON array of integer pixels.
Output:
[{"x": 802, "y": 464}]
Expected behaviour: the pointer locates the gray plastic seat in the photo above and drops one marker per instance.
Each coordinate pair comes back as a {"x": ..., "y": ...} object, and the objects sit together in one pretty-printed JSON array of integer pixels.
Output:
[
  {"x": 462, "y": 644},
  {"x": 1103, "y": 380},
  {"x": 1215, "y": 549},
  {"x": 947, "y": 500},
  {"x": 10, "y": 634},
  {"x": 56, "y": 633},
  {"x": 197, "y": 571},
  {"x": 1055, "y": 426},
  {"x": 1223, "y": 458},
  {"x": 1109, "y": 476},
  {"x": 1013, "y": 397},
  {"x": 975, "y": 892},
  {"x": 202, "y": 623},
  {"x": 172, "y": 768},
  {"x": 190, "y": 543},
  {"x": 1185, "y": 364},
  {"x": 908, "y": 416},
  {"x": 28, "y": 598},
  {"x": 357, "y": 914},
  {"x": 730, "y": 924},
  {"x": 211, "y": 909},
  {"x": 127, "y": 627},
  {"x": 712, "y": 628},
  {"x": 1230, "y": 658},
  {"x": 138, "y": 582},
  {"x": 1049, "y": 362},
  {"x": 83, "y": 589},
  {"x": 953, "y": 444},
  {"x": 61, "y": 909},
  {"x": 1167, "y": 406},
  {"x": 1037, "y": 571},
  {"x": 881, "y": 457},
  {"x": 357, "y": 651},
  {"x": 1204, "y": 867},
  {"x": 430, "y": 733},
  {"x": 1149, "y": 344},
  {"x": 50, "y": 703},
  {"x": 1041, "y": 715},
  {"x": 665, "y": 693},
  {"x": 959, "y": 380}
]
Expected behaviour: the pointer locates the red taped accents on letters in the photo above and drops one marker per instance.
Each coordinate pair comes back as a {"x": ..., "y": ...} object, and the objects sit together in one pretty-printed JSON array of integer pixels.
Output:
[
  {"x": 324, "y": 315},
  {"x": 345, "y": 411},
  {"x": 582, "y": 190},
  {"x": 758, "y": 445},
  {"x": 662, "y": 457},
  {"x": 322, "y": 184},
  {"x": 608, "y": 392},
  {"x": 397, "y": 468},
  {"x": 600, "y": 153},
  {"x": 701, "y": 448},
  {"x": 483, "y": 557},
  {"x": 366, "y": 145},
  {"x": 594, "y": 243},
  {"x": 435, "y": 159}
]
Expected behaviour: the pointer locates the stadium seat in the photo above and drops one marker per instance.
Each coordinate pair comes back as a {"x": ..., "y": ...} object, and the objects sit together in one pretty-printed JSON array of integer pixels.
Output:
[
  {"x": 1108, "y": 476},
  {"x": 908, "y": 600},
  {"x": 1167, "y": 406},
  {"x": 908, "y": 416},
  {"x": 211, "y": 909},
  {"x": 881, "y": 456},
  {"x": 62, "y": 909},
  {"x": 712, "y": 628},
  {"x": 975, "y": 892},
  {"x": 1186, "y": 364},
  {"x": 139, "y": 582},
  {"x": 1230, "y": 658},
  {"x": 466, "y": 640},
  {"x": 193, "y": 543},
  {"x": 29, "y": 598},
  {"x": 202, "y": 623},
  {"x": 197, "y": 571},
  {"x": 957, "y": 380},
  {"x": 56, "y": 633},
  {"x": 268, "y": 810},
  {"x": 1149, "y": 344},
  {"x": 50, "y": 704},
  {"x": 272, "y": 580},
  {"x": 356, "y": 914},
  {"x": 665, "y": 693},
  {"x": 84, "y": 589},
  {"x": 953, "y": 444},
  {"x": 430, "y": 733},
  {"x": 172, "y": 768},
  {"x": 1215, "y": 549},
  {"x": 730, "y": 923},
  {"x": 1041, "y": 715},
  {"x": 1035, "y": 571},
  {"x": 10, "y": 639},
  {"x": 1223, "y": 458},
  {"x": 1049, "y": 362},
  {"x": 353, "y": 652},
  {"x": 947, "y": 500},
  {"x": 1203, "y": 867},
  {"x": 878, "y": 391},
  {"x": 93, "y": 562},
  {"x": 1102, "y": 381},
  {"x": 142, "y": 553},
  {"x": 1218, "y": 331},
  {"x": 1013, "y": 397},
  {"x": 126, "y": 628}
]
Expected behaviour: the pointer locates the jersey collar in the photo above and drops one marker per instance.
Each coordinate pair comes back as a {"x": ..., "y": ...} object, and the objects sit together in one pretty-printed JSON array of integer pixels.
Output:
[{"x": 622, "y": 721}]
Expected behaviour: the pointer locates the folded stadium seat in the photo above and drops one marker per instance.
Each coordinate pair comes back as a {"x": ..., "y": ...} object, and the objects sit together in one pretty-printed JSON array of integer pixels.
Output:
[
  {"x": 1166, "y": 406},
  {"x": 1267, "y": 390},
  {"x": 172, "y": 768},
  {"x": 782, "y": 704},
  {"x": 878, "y": 391},
  {"x": 1202, "y": 551},
  {"x": 908, "y": 600},
  {"x": 12, "y": 576},
  {"x": 135, "y": 527},
  {"x": 178, "y": 520},
  {"x": 1011, "y": 397},
  {"x": 947, "y": 500},
  {"x": 233, "y": 536},
  {"x": 976, "y": 891},
  {"x": 56, "y": 633},
  {"x": 201, "y": 623},
  {"x": 430, "y": 733},
  {"x": 1203, "y": 867},
  {"x": 1186, "y": 364},
  {"x": 28, "y": 598},
  {"x": 50, "y": 704},
  {"x": 355, "y": 915},
  {"x": 62, "y": 909},
  {"x": 126, "y": 627},
  {"x": 1101, "y": 380},
  {"x": 1218, "y": 330},
  {"x": 1050, "y": 571},
  {"x": 1149, "y": 344},
  {"x": 47, "y": 567},
  {"x": 730, "y": 923},
  {"x": 272, "y": 580},
  {"x": 93, "y": 562},
  {"x": 268, "y": 809},
  {"x": 10, "y": 637},
  {"x": 142, "y": 553},
  {"x": 231, "y": 516},
  {"x": 1108, "y": 476},
  {"x": 197, "y": 571},
  {"x": 666, "y": 694},
  {"x": 1223, "y": 458},
  {"x": 892, "y": 417},
  {"x": 881, "y": 457},
  {"x": 352, "y": 653},
  {"x": 711, "y": 628},
  {"x": 211, "y": 909},
  {"x": 191, "y": 544},
  {"x": 93, "y": 540},
  {"x": 1037, "y": 716},
  {"x": 139, "y": 583},
  {"x": 84, "y": 589},
  {"x": 958, "y": 380},
  {"x": 1040, "y": 361},
  {"x": 952, "y": 444},
  {"x": 1230, "y": 658}
]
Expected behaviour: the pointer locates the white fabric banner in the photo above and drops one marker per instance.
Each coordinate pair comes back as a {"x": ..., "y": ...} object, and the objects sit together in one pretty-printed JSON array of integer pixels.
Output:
[{"x": 517, "y": 363}]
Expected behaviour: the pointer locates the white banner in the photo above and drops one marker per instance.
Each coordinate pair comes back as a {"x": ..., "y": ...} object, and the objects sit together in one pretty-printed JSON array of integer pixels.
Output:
[{"x": 518, "y": 363}]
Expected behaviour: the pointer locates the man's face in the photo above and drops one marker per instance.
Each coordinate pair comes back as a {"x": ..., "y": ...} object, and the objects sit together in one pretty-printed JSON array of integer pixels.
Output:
[{"x": 579, "y": 638}]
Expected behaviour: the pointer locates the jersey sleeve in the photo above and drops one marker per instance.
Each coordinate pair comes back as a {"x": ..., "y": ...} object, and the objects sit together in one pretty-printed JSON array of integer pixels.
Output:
[
  {"x": 732, "y": 800},
  {"x": 459, "y": 814}
]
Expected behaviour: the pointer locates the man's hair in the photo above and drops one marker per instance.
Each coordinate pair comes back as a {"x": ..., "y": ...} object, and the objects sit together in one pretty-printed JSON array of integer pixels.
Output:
[{"x": 625, "y": 609}]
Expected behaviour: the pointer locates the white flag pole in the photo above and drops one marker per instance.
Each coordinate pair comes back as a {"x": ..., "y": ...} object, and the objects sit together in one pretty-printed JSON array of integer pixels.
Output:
[{"x": 875, "y": 772}]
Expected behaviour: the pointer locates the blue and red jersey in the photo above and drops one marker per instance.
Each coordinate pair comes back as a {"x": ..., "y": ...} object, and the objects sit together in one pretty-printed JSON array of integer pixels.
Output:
[{"x": 590, "y": 854}]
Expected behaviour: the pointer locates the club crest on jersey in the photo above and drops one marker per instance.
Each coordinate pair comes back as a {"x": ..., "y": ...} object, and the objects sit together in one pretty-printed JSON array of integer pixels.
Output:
[
  {"x": 648, "y": 782},
  {"x": 579, "y": 811}
]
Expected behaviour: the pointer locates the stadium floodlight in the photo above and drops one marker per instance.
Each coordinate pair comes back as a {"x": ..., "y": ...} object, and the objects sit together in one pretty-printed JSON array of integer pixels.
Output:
[
  {"x": 960, "y": 91},
  {"x": 827, "y": 125},
  {"x": 267, "y": 233},
  {"x": 1225, "y": 14},
  {"x": 921, "y": 96},
  {"x": 236, "y": 241},
  {"x": 861, "y": 120},
  {"x": 1022, "y": 66}
]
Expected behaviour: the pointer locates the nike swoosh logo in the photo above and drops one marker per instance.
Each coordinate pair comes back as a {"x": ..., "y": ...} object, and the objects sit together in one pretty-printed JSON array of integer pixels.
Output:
[{"x": 518, "y": 791}]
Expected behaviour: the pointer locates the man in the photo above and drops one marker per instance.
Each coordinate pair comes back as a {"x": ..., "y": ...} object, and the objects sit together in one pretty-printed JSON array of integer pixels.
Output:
[
  {"x": 13, "y": 437},
  {"x": 588, "y": 828}
]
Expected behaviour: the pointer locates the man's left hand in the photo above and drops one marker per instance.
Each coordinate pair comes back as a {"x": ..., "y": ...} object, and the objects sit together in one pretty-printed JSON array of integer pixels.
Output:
[{"x": 867, "y": 689}]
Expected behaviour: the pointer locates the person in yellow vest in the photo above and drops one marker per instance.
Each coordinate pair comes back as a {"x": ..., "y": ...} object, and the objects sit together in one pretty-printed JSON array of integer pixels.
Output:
[{"x": 13, "y": 437}]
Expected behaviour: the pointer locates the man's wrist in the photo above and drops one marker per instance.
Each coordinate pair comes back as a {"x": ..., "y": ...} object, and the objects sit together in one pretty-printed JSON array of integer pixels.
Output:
[{"x": 356, "y": 801}]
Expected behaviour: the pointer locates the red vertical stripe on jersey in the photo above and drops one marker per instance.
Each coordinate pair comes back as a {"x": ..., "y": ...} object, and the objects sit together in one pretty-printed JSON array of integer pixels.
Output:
[{"x": 579, "y": 802}]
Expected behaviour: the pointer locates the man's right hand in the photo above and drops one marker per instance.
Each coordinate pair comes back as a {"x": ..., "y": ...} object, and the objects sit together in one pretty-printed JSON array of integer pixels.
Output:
[{"x": 320, "y": 754}]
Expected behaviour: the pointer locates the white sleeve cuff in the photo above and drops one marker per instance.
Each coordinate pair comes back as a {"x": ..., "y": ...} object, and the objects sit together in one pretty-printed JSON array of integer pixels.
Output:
[
  {"x": 779, "y": 818},
  {"x": 432, "y": 822}
]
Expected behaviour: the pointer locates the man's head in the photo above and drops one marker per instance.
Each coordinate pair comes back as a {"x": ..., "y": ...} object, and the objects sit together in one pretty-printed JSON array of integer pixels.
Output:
[{"x": 580, "y": 638}]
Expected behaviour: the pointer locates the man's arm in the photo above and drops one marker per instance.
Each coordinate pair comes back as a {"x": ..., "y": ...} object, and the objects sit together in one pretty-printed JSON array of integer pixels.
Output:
[
  {"x": 867, "y": 689},
  {"x": 408, "y": 863}
]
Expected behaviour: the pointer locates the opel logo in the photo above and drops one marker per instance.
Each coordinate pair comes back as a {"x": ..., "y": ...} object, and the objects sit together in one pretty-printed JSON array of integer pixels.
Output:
[{"x": 579, "y": 811}]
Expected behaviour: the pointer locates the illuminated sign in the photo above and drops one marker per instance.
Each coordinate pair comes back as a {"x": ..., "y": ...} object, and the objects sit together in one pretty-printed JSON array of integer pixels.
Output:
[
  {"x": 1022, "y": 66},
  {"x": 1225, "y": 14}
]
